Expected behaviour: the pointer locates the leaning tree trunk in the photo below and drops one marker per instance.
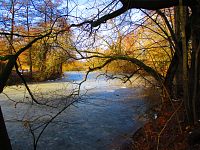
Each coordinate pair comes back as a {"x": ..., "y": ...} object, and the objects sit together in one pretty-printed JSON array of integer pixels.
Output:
[
  {"x": 4, "y": 139},
  {"x": 171, "y": 72}
]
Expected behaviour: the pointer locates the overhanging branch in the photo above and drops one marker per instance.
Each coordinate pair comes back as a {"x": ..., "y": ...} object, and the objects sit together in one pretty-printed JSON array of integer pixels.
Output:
[
  {"x": 138, "y": 4},
  {"x": 135, "y": 61},
  {"x": 109, "y": 16}
]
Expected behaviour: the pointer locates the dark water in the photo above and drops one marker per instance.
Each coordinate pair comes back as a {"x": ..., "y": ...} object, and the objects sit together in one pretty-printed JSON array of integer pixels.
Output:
[{"x": 103, "y": 118}]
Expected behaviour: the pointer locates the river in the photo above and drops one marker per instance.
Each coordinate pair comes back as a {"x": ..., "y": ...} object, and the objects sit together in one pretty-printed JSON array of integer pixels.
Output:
[{"x": 101, "y": 118}]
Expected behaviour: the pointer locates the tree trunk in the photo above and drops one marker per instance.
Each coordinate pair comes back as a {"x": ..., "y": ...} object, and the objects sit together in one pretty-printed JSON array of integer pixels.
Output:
[
  {"x": 175, "y": 70},
  {"x": 179, "y": 72},
  {"x": 195, "y": 62},
  {"x": 30, "y": 64},
  {"x": 168, "y": 83},
  {"x": 30, "y": 49},
  {"x": 186, "y": 99},
  {"x": 4, "y": 139},
  {"x": 12, "y": 26}
]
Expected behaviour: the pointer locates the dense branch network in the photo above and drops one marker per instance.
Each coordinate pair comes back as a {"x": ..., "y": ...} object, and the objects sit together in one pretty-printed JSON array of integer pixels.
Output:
[{"x": 138, "y": 4}]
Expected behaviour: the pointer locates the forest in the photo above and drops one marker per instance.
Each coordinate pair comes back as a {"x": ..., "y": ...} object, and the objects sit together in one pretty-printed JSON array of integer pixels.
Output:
[{"x": 41, "y": 39}]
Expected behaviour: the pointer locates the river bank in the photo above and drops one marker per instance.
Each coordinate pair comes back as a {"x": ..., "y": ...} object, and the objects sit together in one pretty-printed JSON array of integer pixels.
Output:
[
  {"x": 166, "y": 131},
  {"x": 35, "y": 77}
]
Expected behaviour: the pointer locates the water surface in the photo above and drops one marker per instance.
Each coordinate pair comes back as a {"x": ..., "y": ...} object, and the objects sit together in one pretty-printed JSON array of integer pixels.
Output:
[{"x": 104, "y": 115}]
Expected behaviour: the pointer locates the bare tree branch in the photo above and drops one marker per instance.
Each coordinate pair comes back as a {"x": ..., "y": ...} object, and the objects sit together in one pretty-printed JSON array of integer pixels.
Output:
[{"x": 138, "y": 4}]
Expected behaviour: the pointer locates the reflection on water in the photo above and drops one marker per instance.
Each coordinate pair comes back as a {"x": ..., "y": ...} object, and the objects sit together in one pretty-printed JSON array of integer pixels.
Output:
[{"x": 106, "y": 113}]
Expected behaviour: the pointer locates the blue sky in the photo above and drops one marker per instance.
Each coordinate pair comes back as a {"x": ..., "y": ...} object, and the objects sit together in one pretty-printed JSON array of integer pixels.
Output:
[{"x": 81, "y": 10}]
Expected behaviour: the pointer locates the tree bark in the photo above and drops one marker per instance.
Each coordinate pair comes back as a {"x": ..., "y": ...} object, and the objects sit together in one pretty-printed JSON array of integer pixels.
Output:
[
  {"x": 30, "y": 49},
  {"x": 4, "y": 75},
  {"x": 179, "y": 72},
  {"x": 4, "y": 139},
  {"x": 171, "y": 72},
  {"x": 195, "y": 63},
  {"x": 186, "y": 99}
]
